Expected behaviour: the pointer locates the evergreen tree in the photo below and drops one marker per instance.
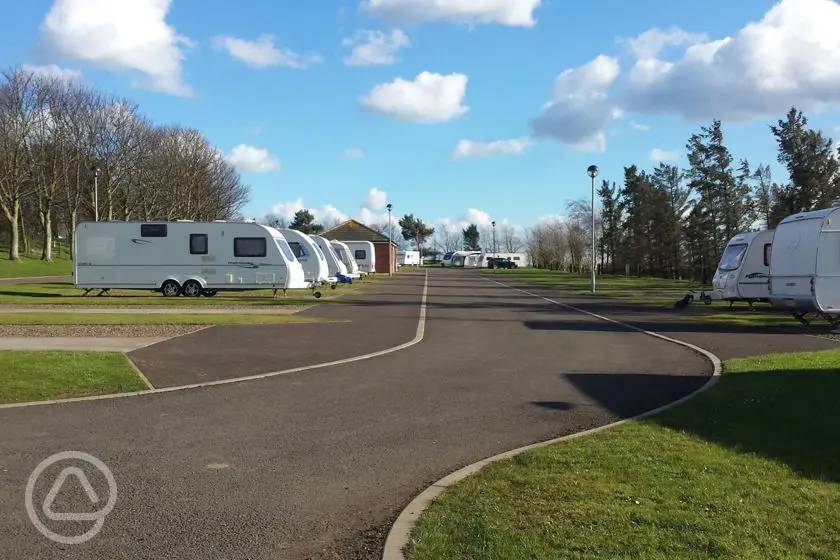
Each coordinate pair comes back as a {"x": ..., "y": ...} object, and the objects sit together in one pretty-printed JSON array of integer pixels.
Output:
[
  {"x": 810, "y": 160},
  {"x": 413, "y": 229},
  {"x": 610, "y": 224},
  {"x": 763, "y": 191},
  {"x": 668, "y": 180},
  {"x": 304, "y": 222},
  {"x": 471, "y": 238}
]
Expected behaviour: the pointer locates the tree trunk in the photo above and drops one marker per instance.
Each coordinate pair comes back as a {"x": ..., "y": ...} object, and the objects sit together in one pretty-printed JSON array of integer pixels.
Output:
[
  {"x": 72, "y": 234},
  {"x": 23, "y": 234},
  {"x": 46, "y": 220},
  {"x": 13, "y": 217}
]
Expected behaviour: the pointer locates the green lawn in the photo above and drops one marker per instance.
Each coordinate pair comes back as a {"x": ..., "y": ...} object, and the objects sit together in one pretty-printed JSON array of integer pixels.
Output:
[
  {"x": 81, "y": 318},
  {"x": 632, "y": 289},
  {"x": 748, "y": 470},
  {"x": 66, "y": 294},
  {"x": 32, "y": 265},
  {"x": 32, "y": 376}
]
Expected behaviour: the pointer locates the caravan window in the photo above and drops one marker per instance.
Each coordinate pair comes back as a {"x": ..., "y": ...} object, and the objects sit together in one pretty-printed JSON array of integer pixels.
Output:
[
  {"x": 297, "y": 249},
  {"x": 249, "y": 246},
  {"x": 360, "y": 254},
  {"x": 152, "y": 230},
  {"x": 283, "y": 245},
  {"x": 768, "y": 247},
  {"x": 198, "y": 243},
  {"x": 733, "y": 256}
]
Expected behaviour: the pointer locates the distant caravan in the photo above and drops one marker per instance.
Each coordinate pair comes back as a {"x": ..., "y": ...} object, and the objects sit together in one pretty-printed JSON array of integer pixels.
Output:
[
  {"x": 743, "y": 273},
  {"x": 805, "y": 265},
  {"x": 334, "y": 263},
  {"x": 184, "y": 258},
  {"x": 343, "y": 253},
  {"x": 312, "y": 259},
  {"x": 364, "y": 253}
]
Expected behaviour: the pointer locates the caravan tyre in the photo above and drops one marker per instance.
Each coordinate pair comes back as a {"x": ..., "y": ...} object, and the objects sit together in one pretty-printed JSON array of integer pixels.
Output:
[
  {"x": 191, "y": 288},
  {"x": 170, "y": 288},
  {"x": 209, "y": 293}
]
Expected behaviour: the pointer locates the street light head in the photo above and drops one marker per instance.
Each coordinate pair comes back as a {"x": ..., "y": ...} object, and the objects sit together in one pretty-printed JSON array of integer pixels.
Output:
[
  {"x": 389, "y": 206},
  {"x": 493, "y": 223},
  {"x": 592, "y": 171}
]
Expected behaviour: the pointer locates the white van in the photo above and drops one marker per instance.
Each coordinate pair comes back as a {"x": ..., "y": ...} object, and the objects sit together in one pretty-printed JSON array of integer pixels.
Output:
[
  {"x": 334, "y": 264},
  {"x": 343, "y": 252},
  {"x": 189, "y": 258},
  {"x": 805, "y": 265},
  {"x": 364, "y": 253},
  {"x": 744, "y": 270},
  {"x": 309, "y": 255}
]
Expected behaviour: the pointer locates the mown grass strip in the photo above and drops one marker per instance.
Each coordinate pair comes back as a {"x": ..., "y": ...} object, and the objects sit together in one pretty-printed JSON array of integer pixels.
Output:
[
  {"x": 747, "y": 470},
  {"x": 45, "y": 375},
  {"x": 43, "y": 318}
]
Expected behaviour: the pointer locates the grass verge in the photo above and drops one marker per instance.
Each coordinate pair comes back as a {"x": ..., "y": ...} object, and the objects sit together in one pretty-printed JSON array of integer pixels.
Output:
[
  {"x": 56, "y": 293},
  {"x": 747, "y": 470},
  {"x": 43, "y": 375},
  {"x": 34, "y": 266},
  {"x": 42, "y": 318}
]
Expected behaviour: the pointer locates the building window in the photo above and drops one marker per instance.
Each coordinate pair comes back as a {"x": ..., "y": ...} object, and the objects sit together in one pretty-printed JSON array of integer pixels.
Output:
[
  {"x": 198, "y": 243},
  {"x": 360, "y": 254},
  {"x": 768, "y": 247},
  {"x": 152, "y": 230},
  {"x": 249, "y": 246}
]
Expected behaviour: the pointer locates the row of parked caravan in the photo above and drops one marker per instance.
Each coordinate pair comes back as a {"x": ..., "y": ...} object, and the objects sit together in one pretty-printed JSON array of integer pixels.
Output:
[
  {"x": 795, "y": 267},
  {"x": 480, "y": 259},
  {"x": 201, "y": 258}
]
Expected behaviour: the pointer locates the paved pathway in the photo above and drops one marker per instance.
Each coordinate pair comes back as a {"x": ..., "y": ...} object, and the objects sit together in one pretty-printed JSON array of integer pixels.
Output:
[
  {"x": 317, "y": 464},
  {"x": 100, "y": 343},
  {"x": 37, "y": 280}
]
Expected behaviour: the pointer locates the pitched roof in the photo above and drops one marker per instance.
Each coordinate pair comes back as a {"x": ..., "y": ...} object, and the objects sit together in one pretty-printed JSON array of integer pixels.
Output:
[{"x": 351, "y": 230}]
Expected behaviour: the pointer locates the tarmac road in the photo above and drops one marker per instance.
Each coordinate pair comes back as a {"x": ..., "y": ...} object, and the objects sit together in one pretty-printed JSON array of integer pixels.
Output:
[{"x": 317, "y": 464}]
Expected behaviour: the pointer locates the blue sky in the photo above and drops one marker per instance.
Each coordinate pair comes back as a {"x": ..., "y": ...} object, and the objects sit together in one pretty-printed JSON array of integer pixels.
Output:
[{"x": 307, "y": 118}]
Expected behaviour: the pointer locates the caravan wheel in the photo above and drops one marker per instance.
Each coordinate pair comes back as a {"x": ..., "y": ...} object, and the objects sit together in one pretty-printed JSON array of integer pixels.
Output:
[
  {"x": 170, "y": 288},
  {"x": 191, "y": 288}
]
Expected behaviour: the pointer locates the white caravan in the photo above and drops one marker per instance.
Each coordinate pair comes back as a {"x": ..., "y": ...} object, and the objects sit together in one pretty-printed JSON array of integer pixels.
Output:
[
  {"x": 459, "y": 258},
  {"x": 805, "y": 265},
  {"x": 744, "y": 269},
  {"x": 343, "y": 252},
  {"x": 309, "y": 255},
  {"x": 189, "y": 258},
  {"x": 336, "y": 267},
  {"x": 408, "y": 258},
  {"x": 364, "y": 253},
  {"x": 446, "y": 261}
]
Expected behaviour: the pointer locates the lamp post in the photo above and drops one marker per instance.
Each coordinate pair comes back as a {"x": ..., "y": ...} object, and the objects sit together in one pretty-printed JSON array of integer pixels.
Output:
[
  {"x": 592, "y": 171},
  {"x": 389, "y": 206},
  {"x": 95, "y": 193},
  {"x": 495, "y": 247}
]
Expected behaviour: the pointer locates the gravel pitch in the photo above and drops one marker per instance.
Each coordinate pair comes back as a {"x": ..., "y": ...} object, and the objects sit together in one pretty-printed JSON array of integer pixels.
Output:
[{"x": 97, "y": 330}]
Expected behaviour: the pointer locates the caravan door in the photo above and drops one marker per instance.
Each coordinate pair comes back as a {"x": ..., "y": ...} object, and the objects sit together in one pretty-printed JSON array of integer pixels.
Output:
[{"x": 827, "y": 281}]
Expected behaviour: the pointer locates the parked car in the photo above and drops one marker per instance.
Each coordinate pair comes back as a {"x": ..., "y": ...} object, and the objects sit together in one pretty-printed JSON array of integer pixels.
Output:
[{"x": 501, "y": 262}]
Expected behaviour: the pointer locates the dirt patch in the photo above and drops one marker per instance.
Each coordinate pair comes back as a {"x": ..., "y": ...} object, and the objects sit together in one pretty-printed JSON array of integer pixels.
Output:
[{"x": 97, "y": 330}]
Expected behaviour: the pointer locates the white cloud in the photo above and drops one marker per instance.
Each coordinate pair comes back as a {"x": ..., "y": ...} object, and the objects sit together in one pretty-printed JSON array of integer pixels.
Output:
[
  {"x": 505, "y": 12},
  {"x": 580, "y": 106},
  {"x": 376, "y": 199},
  {"x": 374, "y": 47},
  {"x": 476, "y": 149},
  {"x": 429, "y": 98},
  {"x": 657, "y": 155},
  {"x": 249, "y": 159},
  {"x": 640, "y": 126},
  {"x": 53, "y": 71},
  {"x": 353, "y": 153},
  {"x": 791, "y": 56},
  {"x": 327, "y": 214},
  {"x": 119, "y": 35},
  {"x": 651, "y": 42},
  {"x": 371, "y": 211},
  {"x": 262, "y": 53}
]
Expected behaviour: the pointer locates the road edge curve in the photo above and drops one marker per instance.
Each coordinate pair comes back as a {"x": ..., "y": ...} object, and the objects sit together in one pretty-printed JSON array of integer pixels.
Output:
[
  {"x": 400, "y": 532},
  {"x": 418, "y": 337}
]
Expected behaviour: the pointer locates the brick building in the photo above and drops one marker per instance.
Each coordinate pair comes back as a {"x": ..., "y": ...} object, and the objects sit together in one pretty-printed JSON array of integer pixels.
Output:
[{"x": 351, "y": 230}]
